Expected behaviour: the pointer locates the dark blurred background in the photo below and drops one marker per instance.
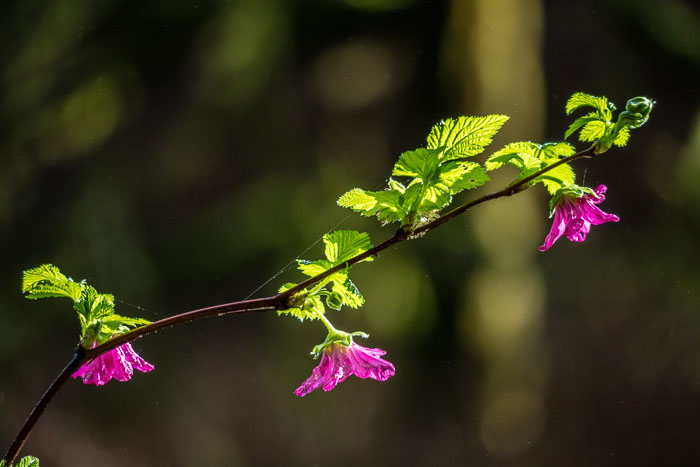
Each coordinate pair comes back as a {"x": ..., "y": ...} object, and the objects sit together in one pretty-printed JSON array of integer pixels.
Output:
[{"x": 178, "y": 154}]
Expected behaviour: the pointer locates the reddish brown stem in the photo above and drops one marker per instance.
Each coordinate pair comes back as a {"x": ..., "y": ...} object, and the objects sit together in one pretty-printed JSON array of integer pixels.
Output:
[{"x": 40, "y": 406}]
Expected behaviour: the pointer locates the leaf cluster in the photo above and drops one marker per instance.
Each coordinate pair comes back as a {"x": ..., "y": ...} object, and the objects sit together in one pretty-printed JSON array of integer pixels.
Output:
[
  {"x": 336, "y": 290},
  {"x": 531, "y": 157},
  {"x": 598, "y": 125},
  {"x": 98, "y": 320},
  {"x": 27, "y": 461},
  {"x": 427, "y": 178}
]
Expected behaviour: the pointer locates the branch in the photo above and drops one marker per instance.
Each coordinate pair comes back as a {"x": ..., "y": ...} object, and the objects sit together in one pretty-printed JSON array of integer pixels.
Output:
[
  {"x": 40, "y": 406},
  {"x": 276, "y": 302}
]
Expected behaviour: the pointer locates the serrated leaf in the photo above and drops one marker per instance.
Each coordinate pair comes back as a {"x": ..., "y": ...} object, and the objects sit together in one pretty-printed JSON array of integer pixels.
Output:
[
  {"x": 581, "y": 99},
  {"x": 475, "y": 177},
  {"x": 125, "y": 320},
  {"x": 464, "y": 136},
  {"x": 28, "y": 461},
  {"x": 622, "y": 137},
  {"x": 520, "y": 154},
  {"x": 592, "y": 131},
  {"x": 557, "y": 150},
  {"x": 386, "y": 205},
  {"x": 556, "y": 178},
  {"x": 313, "y": 268},
  {"x": 412, "y": 197},
  {"x": 451, "y": 172},
  {"x": 298, "y": 313},
  {"x": 47, "y": 281},
  {"x": 312, "y": 305},
  {"x": 579, "y": 122},
  {"x": 93, "y": 305},
  {"x": 421, "y": 163},
  {"x": 342, "y": 245},
  {"x": 349, "y": 293}
]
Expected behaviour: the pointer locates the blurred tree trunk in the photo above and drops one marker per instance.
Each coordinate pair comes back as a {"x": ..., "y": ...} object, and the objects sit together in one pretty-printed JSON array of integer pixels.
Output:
[{"x": 492, "y": 57}]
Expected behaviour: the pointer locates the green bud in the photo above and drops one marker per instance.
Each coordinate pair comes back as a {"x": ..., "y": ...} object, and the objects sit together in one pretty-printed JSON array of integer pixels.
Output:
[
  {"x": 637, "y": 113},
  {"x": 334, "y": 300},
  {"x": 90, "y": 337},
  {"x": 640, "y": 105}
]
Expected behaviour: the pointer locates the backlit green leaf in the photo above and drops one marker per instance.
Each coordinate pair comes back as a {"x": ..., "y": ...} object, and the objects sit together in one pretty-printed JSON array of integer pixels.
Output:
[
  {"x": 386, "y": 205},
  {"x": 421, "y": 163},
  {"x": 464, "y": 136},
  {"x": 472, "y": 178},
  {"x": 622, "y": 137},
  {"x": 581, "y": 99},
  {"x": 342, "y": 245},
  {"x": 47, "y": 281},
  {"x": 593, "y": 130},
  {"x": 557, "y": 178}
]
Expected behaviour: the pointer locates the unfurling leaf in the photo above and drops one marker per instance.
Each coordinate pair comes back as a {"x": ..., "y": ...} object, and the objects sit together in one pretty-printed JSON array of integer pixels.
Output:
[{"x": 581, "y": 99}]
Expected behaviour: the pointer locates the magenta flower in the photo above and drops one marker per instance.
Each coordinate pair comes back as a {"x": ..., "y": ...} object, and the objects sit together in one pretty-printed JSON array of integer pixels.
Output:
[
  {"x": 574, "y": 215},
  {"x": 340, "y": 361},
  {"x": 117, "y": 363}
]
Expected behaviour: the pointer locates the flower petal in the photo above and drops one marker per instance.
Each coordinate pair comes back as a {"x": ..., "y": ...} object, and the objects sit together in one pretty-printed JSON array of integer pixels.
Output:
[
  {"x": 573, "y": 217},
  {"x": 557, "y": 230},
  {"x": 340, "y": 361},
  {"x": 118, "y": 363}
]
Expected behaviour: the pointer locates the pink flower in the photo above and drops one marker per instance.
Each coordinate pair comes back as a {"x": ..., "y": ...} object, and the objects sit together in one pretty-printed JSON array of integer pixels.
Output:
[
  {"x": 574, "y": 215},
  {"x": 340, "y": 361},
  {"x": 117, "y": 363}
]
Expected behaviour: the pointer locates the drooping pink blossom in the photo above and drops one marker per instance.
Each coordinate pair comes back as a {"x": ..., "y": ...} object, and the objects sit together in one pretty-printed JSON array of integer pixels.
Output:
[
  {"x": 573, "y": 217},
  {"x": 118, "y": 363},
  {"x": 340, "y": 361}
]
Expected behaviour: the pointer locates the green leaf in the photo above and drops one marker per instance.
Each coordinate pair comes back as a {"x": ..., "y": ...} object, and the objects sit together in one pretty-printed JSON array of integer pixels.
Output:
[
  {"x": 93, "y": 305},
  {"x": 472, "y": 178},
  {"x": 307, "y": 310},
  {"x": 27, "y": 461},
  {"x": 522, "y": 154},
  {"x": 421, "y": 163},
  {"x": 557, "y": 178},
  {"x": 412, "y": 197},
  {"x": 581, "y": 99},
  {"x": 342, "y": 245},
  {"x": 314, "y": 268},
  {"x": 125, "y": 320},
  {"x": 557, "y": 150},
  {"x": 593, "y": 130},
  {"x": 386, "y": 205},
  {"x": 305, "y": 304},
  {"x": 579, "y": 122},
  {"x": 622, "y": 137},
  {"x": 349, "y": 293},
  {"x": 531, "y": 157},
  {"x": 47, "y": 281},
  {"x": 464, "y": 136}
]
